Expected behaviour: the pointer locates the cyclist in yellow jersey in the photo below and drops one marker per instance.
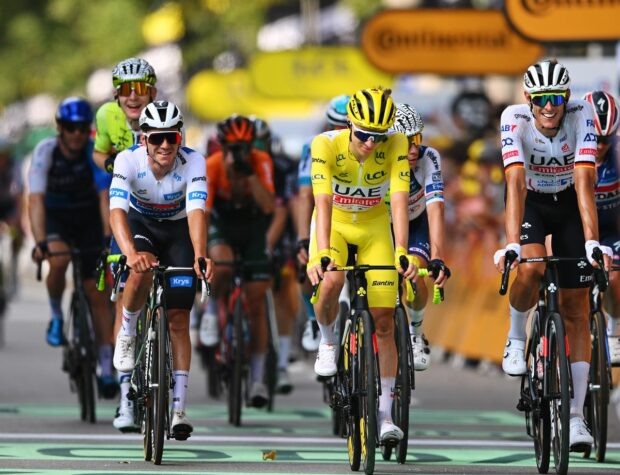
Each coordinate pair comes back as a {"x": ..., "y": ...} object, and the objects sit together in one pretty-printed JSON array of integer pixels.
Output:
[{"x": 351, "y": 172}]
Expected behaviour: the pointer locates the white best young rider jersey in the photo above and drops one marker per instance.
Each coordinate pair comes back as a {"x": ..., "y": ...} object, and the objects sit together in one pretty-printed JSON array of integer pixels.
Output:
[
  {"x": 548, "y": 162},
  {"x": 426, "y": 185},
  {"x": 182, "y": 190}
]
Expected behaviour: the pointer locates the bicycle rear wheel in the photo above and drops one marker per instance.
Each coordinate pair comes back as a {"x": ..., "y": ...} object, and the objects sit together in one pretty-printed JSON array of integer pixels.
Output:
[
  {"x": 536, "y": 407},
  {"x": 368, "y": 391},
  {"x": 597, "y": 399},
  {"x": 235, "y": 388},
  {"x": 161, "y": 385},
  {"x": 559, "y": 392}
]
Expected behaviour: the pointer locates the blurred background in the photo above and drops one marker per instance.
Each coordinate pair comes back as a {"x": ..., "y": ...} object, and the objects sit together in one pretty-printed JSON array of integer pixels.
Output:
[{"x": 459, "y": 62}]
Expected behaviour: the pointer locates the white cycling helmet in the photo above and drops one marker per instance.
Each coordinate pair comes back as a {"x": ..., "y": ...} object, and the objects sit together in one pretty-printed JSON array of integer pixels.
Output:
[
  {"x": 161, "y": 115},
  {"x": 544, "y": 76},
  {"x": 408, "y": 120},
  {"x": 133, "y": 69}
]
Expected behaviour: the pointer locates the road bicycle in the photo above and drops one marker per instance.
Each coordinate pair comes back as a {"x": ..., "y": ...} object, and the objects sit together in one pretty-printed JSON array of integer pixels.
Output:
[
  {"x": 228, "y": 363},
  {"x": 357, "y": 384},
  {"x": 152, "y": 377},
  {"x": 79, "y": 358},
  {"x": 546, "y": 386},
  {"x": 599, "y": 377}
]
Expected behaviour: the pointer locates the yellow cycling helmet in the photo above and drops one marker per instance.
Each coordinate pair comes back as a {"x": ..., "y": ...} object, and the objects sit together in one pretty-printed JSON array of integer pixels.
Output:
[{"x": 372, "y": 109}]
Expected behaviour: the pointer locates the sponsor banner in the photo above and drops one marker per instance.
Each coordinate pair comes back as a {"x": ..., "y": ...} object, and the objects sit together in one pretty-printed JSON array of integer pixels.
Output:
[
  {"x": 317, "y": 73},
  {"x": 565, "y": 20},
  {"x": 446, "y": 42}
]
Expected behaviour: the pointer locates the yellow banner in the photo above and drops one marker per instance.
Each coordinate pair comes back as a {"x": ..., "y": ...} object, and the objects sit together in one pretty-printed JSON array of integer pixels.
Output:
[
  {"x": 315, "y": 73},
  {"x": 565, "y": 20},
  {"x": 214, "y": 96},
  {"x": 446, "y": 42}
]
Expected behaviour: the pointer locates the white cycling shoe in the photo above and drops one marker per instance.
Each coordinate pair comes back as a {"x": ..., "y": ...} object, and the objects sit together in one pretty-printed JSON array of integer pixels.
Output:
[
  {"x": 390, "y": 432},
  {"x": 325, "y": 364},
  {"x": 580, "y": 438},
  {"x": 124, "y": 420},
  {"x": 311, "y": 337},
  {"x": 421, "y": 352},
  {"x": 180, "y": 427},
  {"x": 513, "y": 362},
  {"x": 124, "y": 358}
]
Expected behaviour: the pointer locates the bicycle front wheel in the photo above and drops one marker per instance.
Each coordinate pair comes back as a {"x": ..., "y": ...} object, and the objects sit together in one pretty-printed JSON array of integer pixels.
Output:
[
  {"x": 349, "y": 409},
  {"x": 403, "y": 383},
  {"x": 86, "y": 364},
  {"x": 368, "y": 390},
  {"x": 235, "y": 388},
  {"x": 559, "y": 392},
  {"x": 599, "y": 379}
]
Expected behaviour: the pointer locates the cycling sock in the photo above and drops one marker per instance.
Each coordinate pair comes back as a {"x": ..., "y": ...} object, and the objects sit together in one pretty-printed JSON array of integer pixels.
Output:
[
  {"x": 105, "y": 359},
  {"x": 308, "y": 305},
  {"x": 257, "y": 367},
  {"x": 416, "y": 317},
  {"x": 518, "y": 321},
  {"x": 124, "y": 380},
  {"x": 285, "y": 351},
  {"x": 130, "y": 319},
  {"x": 385, "y": 400},
  {"x": 328, "y": 334},
  {"x": 179, "y": 392},
  {"x": 580, "y": 371},
  {"x": 56, "y": 306}
]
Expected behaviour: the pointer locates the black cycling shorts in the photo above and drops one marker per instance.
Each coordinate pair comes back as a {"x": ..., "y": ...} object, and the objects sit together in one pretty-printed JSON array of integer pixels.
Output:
[
  {"x": 558, "y": 214},
  {"x": 79, "y": 228},
  {"x": 170, "y": 242}
]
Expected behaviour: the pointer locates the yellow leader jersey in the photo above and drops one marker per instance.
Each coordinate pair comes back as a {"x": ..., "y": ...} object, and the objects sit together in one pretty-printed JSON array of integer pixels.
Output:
[{"x": 358, "y": 189}]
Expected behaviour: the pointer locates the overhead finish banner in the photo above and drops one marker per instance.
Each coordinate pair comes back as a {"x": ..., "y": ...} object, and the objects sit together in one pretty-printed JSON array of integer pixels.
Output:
[
  {"x": 458, "y": 42},
  {"x": 565, "y": 20},
  {"x": 317, "y": 73}
]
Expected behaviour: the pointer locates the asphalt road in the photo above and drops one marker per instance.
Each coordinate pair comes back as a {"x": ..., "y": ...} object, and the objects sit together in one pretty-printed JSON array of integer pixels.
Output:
[{"x": 463, "y": 421}]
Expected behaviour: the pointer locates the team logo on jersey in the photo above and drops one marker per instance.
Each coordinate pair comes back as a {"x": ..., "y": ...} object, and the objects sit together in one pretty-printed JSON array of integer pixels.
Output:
[
  {"x": 375, "y": 177},
  {"x": 526, "y": 225},
  {"x": 436, "y": 176},
  {"x": 339, "y": 159},
  {"x": 181, "y": 281},
  {"x": 509, "y": 127},
  {"x": 565, "y": 148},
  {"x": 589, "y": 138},
  {"x": 563, "y": 139},
  {"x": 172, "y": 196},
  {"x": 176, "y": 176},
  {"x": 318, "y": 160},
  {"x": 118, "y": 193},
  {"x": 589, "y": 123},
  {"x": 380, "y": 158},
  {"x": 318, "y": 177},
  {"x": 507, "y": 142},
  {"x": 141, "y": 175},
  {"x": 197, "y": 195}
]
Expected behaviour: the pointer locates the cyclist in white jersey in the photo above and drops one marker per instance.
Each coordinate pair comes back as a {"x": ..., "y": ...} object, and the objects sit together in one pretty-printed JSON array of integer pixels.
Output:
[
  {"x": 157, "y": 214},
  {"x": 426, "y": 222},
  {"x": 549, "y": 150}
]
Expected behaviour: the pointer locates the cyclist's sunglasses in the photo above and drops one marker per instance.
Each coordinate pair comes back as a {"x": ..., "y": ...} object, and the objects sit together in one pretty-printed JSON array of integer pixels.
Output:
[
  {"x": 157, "y": 138},
  {"x": 141, "y": 88},
  {"x": 556, "y": 99},
  {"x": 604, "y": 139},
  {"x": 415, "y": 139},
  {"x": 71, "y": 127},
  {"x": 364, "y": 136}
]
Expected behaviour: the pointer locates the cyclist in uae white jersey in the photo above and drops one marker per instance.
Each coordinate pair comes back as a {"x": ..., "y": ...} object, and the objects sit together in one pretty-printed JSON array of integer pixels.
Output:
[
  {"x": 549, "y": 149},
  {"x": 157, "y": 214},
  {"x": 426, "y": 222}
]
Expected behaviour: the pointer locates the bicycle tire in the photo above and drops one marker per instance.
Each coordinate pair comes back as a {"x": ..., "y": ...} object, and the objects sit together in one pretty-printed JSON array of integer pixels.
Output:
[
  {"x": 161, "y": 386},
  {"x": 271, "y": 359},
  {"x": 537, "y": 415},
  {"x": 145, "y": 391},
  {"x": 86, "y": 364},
  {"x": 329, "y": 386},
  {"x": 597, "y": 400},
  {"x": 559, "y": 392},
  {"x": 235, "y": 395},
  {"x": 402, "y": 391},
  {"x": 368, "y": 391},
  {"x": 210, "y": 363},
  {"x": 350, "y": 411}
]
